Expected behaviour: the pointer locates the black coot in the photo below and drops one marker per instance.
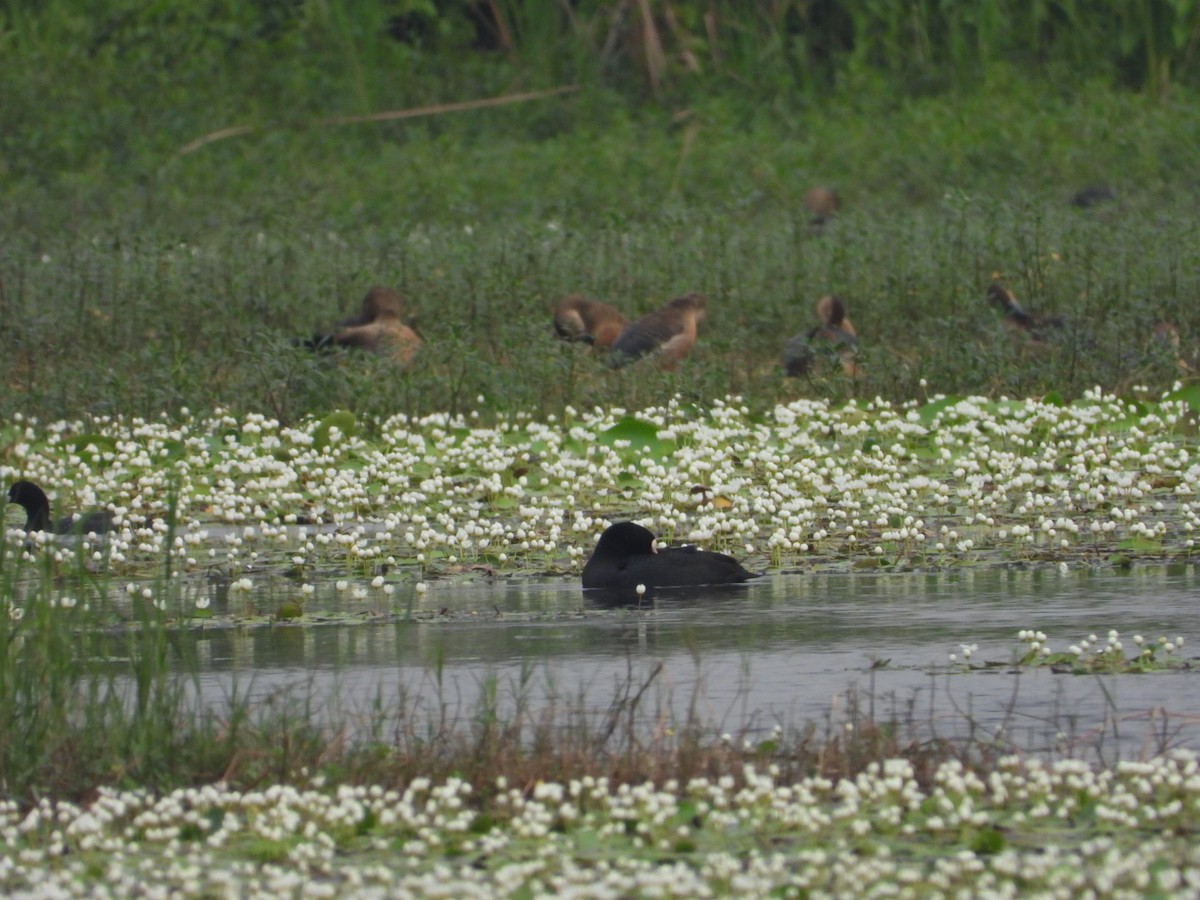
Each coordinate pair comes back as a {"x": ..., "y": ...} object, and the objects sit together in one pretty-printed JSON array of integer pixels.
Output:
[
  {"x": 626, "y": 556},
  {"x": 37, "y": 513}
]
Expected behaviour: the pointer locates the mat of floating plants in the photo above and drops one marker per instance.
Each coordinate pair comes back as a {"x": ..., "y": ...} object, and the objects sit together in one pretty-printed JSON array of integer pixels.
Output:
[
  {"x": 1052, "y": 829},
  {"x": 933, "y": 483}
]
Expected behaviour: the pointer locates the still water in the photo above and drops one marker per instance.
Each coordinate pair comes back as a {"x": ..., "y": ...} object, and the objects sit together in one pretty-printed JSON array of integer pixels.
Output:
[{"x": 785, "y": 649}]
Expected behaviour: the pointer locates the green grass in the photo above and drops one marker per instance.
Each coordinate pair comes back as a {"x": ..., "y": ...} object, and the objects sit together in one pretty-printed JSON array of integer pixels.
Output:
[
  {"x": 141, "y": 281},
  {"x": 143, "y": 327}
]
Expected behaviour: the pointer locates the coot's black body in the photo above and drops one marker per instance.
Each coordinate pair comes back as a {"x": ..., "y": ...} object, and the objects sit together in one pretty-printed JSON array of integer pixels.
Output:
[
  {"x": 37, "y": 513},
  {"x": 625, "y": 557}
]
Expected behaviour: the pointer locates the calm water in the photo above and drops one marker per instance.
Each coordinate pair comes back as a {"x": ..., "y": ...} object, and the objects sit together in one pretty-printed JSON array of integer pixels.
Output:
[{"x": 786, "y": 649}]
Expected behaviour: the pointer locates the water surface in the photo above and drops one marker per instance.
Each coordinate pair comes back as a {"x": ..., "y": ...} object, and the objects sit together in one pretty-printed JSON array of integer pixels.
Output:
[{"x": 784, "y": 649}]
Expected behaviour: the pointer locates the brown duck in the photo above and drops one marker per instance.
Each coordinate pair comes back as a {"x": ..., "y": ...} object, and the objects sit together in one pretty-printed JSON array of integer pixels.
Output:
[
  {"x": 823, "y": 203},
  {"x": 670, "y": 332},
  {"x": 579, "y": 318},
  {"x": 835, "y": 335},
  {"x": 378, "y": 328},
  {"x": 1036, "y": 328}
]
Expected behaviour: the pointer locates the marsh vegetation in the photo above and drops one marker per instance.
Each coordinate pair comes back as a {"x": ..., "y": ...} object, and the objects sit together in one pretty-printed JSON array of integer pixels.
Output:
[{"x": 215, "y": 183}]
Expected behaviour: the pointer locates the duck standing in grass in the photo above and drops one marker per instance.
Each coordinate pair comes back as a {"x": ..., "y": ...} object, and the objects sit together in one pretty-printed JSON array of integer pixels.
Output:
[
  {"x": 580, "y": 318},
  {"x": 627, "y": 556},
  {"x": 1038, "y": 329},
  {"x": 835, "y": 335},
  {"x": 378, "y": 328},
  {"x": 37, "y": 513},
  {"x": 823, "y": 203},
  {"x": 669, "y": 332}
]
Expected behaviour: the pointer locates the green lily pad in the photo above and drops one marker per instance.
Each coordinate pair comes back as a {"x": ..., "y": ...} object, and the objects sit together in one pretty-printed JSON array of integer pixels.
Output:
[{"x": 341, "y": 419}]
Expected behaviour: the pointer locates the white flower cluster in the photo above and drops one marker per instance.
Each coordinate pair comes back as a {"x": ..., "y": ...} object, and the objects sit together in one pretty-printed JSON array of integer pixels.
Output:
[
  {"x": 930, "y": 483},
  {"x": 1058, "y": 829}
]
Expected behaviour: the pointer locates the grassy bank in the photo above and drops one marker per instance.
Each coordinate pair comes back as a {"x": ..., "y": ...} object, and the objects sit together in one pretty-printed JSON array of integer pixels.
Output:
[
  {"x": 148, "y": 324},
  {"x": 139, "y": 278}
]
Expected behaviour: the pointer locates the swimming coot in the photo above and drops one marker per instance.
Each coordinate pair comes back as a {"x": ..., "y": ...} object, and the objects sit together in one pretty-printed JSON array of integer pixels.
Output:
[
  {"x": 580, "y": 318},
  {"x": 37, "y": 513},
  {"x": 670, "y": 331},
  {"x": 626, "y": 556}
]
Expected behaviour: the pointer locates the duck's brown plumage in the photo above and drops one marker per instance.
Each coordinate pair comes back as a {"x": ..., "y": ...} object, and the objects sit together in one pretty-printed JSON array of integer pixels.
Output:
[
  {"x": 670, "y": 331},
  {"x": 836, "y": 333},
  {"x": 580, "y": 318},
  {"x": 821, "y": 201},
  {"x": 1015, "y": 318},
  {"x": 378, "y": 328}
]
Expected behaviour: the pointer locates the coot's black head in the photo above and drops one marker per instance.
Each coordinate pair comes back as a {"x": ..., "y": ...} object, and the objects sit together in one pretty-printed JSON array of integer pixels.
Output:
[
  {"x": 35, "y": 502},
  {"x": 28, "y": 495},
  {"x": 625, "y": 539}
]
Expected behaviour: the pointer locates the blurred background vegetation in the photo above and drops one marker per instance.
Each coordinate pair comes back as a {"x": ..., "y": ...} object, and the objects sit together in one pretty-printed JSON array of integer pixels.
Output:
[{"x": 187, "y": 185}]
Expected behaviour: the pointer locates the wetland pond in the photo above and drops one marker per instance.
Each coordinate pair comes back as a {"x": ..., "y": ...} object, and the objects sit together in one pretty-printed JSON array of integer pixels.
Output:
[{"x": 785, "y": 649}]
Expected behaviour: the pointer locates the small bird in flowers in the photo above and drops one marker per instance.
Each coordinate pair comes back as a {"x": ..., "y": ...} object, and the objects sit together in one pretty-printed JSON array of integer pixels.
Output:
[{"x": 669, "y": 332}]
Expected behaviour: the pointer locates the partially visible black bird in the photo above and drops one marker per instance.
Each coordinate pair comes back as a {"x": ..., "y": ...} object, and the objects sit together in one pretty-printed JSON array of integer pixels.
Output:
[{"x": 37, "y": 513}]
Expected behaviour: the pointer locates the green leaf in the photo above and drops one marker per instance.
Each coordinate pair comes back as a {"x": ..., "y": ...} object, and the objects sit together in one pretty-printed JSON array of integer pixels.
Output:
[
  {"x": 640, "y": 435},
  {"x": 1140, "y": 544},
  {"x": 1189, "y": 394},
  {"x": 987, "y": 841},
  {"x": 341, "y": 419},
  {"x": 931, "y": 411},
  {"x": 83, "y": 444}
]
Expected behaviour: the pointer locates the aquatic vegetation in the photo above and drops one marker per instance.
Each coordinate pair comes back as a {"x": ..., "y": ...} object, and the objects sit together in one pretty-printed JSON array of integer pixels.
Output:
[
  {"x": 949, "y": 482},
  {"x": 1094, "y": 655},
  {"x": 1057, "y": 828}
]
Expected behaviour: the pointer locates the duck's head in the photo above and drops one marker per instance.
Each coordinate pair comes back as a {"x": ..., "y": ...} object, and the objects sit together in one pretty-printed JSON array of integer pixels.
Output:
[
  {"x": 380, "y": 302},
  {"x": 689, "y": 305},
  {"x": 831, "y": 310}
]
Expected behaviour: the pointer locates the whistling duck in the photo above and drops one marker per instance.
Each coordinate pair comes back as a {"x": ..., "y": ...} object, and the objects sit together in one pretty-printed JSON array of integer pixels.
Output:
[
  {"x": 671, "y": 331},
  {"x": 579, "y": 318},
  {"x": 835, "y": 334},
  {"x": 377, "y": 328},
  {"x": 823, "y": 203},
  {"x": 1036, "y": 328}
]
